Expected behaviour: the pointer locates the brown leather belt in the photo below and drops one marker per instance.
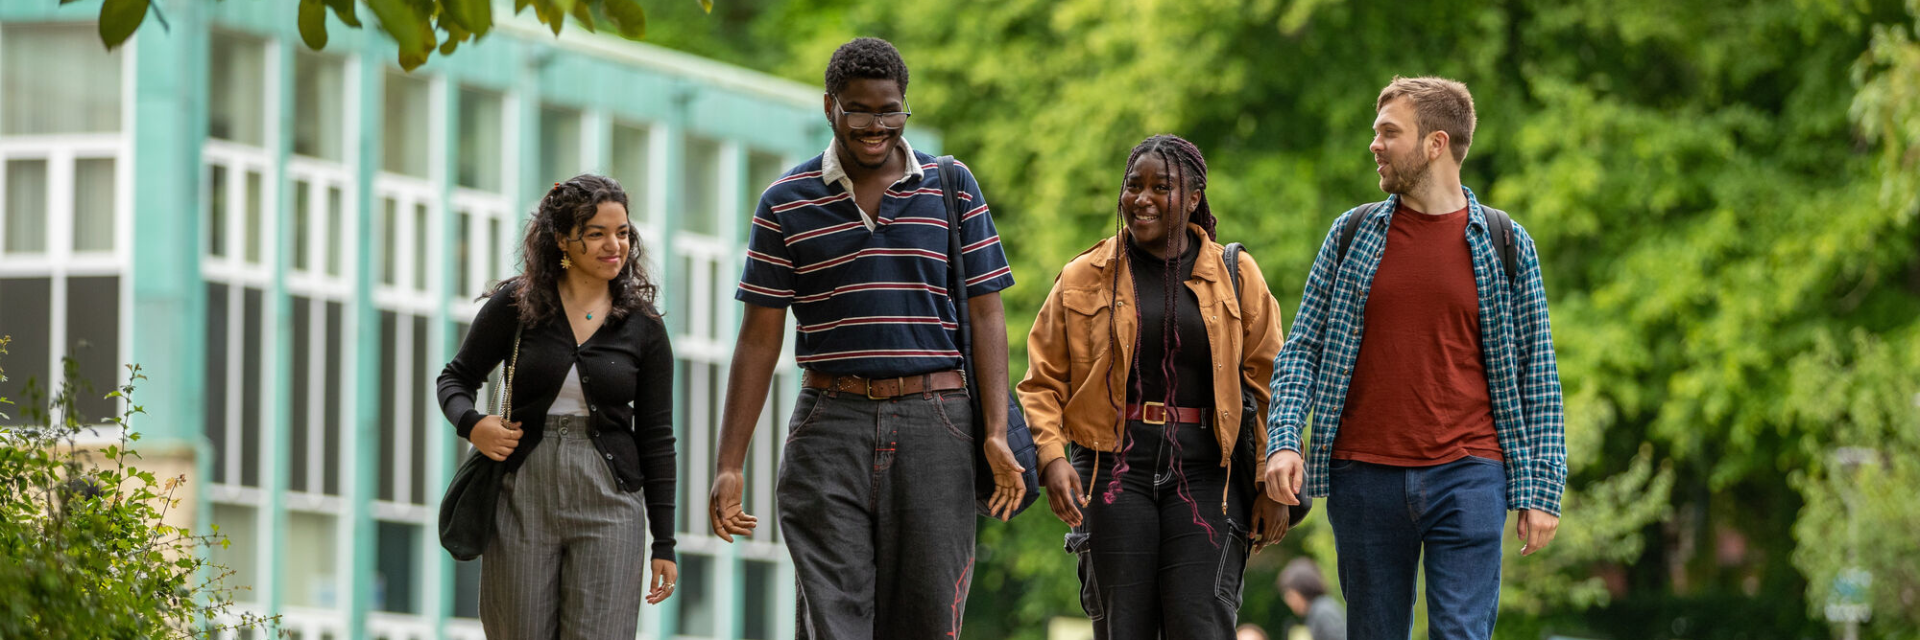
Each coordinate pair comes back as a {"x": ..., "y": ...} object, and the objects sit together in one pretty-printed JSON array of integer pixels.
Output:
[
  {"x": 887, "y": 387},
  {"x": 1157, "y": 413}
]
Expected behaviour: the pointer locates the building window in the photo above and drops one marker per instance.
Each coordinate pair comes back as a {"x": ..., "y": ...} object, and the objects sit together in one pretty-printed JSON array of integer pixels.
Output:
[
  {"x": 26, "y": 186},
  {"x": 631, "y": 153},
  {"x": 481, "y": 135},
  {"x": 93, "y": 205},
  {"x": 560, "y": 148},
  {"x": 237, "y": 89},
  {"x": 762, "y": 169},
  {"x": 81, "y": 94},
  {"x": 404, "y": 135},
  {"x": 319, "y": 102},
  {"x": 700, "y": 187}
]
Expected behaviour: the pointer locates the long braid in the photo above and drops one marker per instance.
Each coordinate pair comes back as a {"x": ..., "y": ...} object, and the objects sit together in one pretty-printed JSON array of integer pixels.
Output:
[
  {"x": 1176, "y": 238},
  {"x": 1120, "y": 465}
]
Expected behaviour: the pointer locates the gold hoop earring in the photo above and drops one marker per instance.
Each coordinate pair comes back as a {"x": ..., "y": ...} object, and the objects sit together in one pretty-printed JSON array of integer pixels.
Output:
[{"x": 565, "y": 263}]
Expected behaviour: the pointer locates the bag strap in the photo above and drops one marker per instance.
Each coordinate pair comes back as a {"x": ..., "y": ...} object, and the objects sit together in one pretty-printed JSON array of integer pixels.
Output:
[
  {"x": 957, "y": 271},
  {"x": 505, "y": 401},
  {"x": 1499, "y": 229}
]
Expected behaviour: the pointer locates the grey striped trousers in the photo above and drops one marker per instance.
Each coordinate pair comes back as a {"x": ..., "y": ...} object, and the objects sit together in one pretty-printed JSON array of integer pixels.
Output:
[{"x": 568, "y": 557}]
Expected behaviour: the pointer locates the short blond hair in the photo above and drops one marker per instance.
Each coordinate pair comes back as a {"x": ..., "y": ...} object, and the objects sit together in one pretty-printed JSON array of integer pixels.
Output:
[{"x": 1439, "y": 104}]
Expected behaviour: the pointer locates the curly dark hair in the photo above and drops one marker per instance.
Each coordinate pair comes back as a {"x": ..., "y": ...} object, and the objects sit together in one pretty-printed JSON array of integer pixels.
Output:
[
  {"x": 865, "y": 58},
  {"x": 565, "y": 209}
]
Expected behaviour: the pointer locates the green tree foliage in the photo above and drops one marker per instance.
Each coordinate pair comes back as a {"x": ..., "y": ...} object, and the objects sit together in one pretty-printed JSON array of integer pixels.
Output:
[
  {"x": 418, "y": 27},
  {"x": 1723, "y": 195},
  {"x": 84, "y": 550}
]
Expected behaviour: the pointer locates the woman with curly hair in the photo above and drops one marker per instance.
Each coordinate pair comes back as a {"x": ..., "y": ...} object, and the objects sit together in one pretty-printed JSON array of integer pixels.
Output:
[{"x": 592, "y": 424}]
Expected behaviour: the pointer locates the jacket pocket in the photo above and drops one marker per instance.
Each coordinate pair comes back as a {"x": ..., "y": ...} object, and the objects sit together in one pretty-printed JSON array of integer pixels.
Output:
[
  {"x": 1087, "y": 323},
  {"x": 1081, "y": 546},
  {"x": 1233, "y": 566}
]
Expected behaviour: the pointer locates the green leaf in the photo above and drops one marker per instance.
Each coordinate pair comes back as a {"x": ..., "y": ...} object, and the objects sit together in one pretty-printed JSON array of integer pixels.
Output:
[
  {"x": 584, "y": 15},
  {"x": 313, "y": 25},
  {"x": 410, "y": 31},
  {"x": 628, "y": 17},
  {"x": 706, "y": 5},
  {"x": 476, "y": 16},
  {"x": 550, "y": 14},
  {"x": 119, "y": 19},
  {"x": 343, "y": 9}
]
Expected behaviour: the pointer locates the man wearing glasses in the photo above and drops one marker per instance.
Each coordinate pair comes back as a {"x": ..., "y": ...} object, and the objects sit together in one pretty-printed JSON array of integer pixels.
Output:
[{"x": 876, "y": 478}]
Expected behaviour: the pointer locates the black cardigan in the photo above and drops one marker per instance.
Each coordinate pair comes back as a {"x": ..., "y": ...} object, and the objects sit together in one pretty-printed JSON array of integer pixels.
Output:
[{"x": 626, "y": 374}]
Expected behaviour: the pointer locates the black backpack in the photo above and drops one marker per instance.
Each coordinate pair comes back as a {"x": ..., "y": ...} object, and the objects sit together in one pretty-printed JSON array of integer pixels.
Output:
[{"x": 1499, "y": 226}]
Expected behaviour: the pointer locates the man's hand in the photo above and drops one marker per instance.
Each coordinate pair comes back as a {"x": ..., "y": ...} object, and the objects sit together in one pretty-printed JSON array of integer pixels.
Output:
[
  {"x": 1270, "y": 523},
  {"x": 723, "y": 506},
  {"x": 1535, "y": 529},
  {"x": 1285, "y": 473},
  {"x": 495, "y": 439},
  {"x": 1063, "y": 491},
  {"x": 1008, "y": 487}
]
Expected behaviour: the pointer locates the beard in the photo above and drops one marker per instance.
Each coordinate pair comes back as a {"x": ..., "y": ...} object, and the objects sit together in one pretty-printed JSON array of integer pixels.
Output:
[
  {"x": 1409, "y": 174},
  {"x": 847, "y": 155}
]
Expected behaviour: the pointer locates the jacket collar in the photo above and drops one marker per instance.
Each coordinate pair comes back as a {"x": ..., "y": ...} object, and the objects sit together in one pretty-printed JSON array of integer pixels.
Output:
[
  {"x": 1206, "y": 266},
  {"x": 1475, "y": 217}
]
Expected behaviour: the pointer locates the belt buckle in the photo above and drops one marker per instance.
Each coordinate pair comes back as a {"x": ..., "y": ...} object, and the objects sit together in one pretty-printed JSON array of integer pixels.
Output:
[
  {"x": 870, "y": 395},
  {"x": 1147, "y": 411}
]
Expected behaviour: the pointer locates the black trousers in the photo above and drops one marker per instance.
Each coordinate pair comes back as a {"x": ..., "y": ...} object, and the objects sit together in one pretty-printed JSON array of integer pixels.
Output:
[{"x": 1162, "y": 558}]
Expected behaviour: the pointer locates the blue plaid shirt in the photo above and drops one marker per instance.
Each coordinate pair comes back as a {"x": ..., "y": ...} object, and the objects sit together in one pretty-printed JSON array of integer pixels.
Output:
[{"x": 1313, "y": 371}]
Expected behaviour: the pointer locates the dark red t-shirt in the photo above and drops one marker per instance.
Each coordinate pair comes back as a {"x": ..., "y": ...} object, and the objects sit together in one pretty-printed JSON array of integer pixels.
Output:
[{"x": 1419, "y": 391}]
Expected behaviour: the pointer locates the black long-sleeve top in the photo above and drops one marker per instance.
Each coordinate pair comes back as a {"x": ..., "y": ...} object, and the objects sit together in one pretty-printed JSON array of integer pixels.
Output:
[{"x": 626, "y": 373}]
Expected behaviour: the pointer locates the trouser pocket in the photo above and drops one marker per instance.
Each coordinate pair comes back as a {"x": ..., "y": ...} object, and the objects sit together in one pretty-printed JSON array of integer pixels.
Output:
[
  {"x": 1081, "y": 546},
  {"x": 1233, "y": 565}
]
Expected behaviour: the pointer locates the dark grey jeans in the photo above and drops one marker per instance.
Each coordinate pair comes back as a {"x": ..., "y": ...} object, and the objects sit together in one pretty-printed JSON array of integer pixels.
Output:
[
  {"x": 1148, "y": 569},
  {"x": 876, "y": 503}
]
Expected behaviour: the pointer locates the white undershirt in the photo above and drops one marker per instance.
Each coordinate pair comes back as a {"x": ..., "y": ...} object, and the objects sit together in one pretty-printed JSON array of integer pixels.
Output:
[{"x": 572, "y": 400}]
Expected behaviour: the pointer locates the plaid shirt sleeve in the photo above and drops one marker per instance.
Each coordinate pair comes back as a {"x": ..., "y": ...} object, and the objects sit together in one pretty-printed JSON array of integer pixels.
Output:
[
  {"x": 1298, "y": 365},
  {"x": 1544, "y": 434}
]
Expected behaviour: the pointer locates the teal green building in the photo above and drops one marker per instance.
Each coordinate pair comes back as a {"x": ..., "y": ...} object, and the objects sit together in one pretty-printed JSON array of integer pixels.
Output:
[{"x": 290, "y": 243}]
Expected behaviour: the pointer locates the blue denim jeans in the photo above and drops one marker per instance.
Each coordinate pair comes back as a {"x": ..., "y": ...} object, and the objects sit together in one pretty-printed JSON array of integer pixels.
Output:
[
  {"x": 876, "y": 503},
  {"x": 1385, "y": 519}
]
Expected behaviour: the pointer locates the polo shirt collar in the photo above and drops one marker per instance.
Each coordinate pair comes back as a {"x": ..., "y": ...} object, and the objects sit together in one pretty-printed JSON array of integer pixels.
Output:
[{"x": 831, "y": 172}]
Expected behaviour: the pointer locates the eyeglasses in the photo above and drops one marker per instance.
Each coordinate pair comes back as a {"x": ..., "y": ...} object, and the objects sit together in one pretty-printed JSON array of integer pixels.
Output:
[{"x": 864, "y": 119}]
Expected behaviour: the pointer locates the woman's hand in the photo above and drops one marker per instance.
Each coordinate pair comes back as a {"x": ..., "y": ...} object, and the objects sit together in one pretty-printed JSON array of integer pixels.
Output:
[
  {"x": 1063, "y": 491},
  {"x": 494, "y": 438},
  {"x": 665, "y": 574},
  {"x": 1008, "y": 486},
  {"x": 1270, "y": 522}
]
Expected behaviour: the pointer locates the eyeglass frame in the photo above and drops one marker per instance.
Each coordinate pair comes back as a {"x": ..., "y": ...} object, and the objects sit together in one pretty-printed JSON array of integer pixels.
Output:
[{"x": 876, "y": 116}]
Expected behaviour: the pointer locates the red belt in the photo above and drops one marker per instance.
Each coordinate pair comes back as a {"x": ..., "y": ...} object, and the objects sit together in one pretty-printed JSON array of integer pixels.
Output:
[
  {"x": 889, "y": 387},
  {"x": 1158, "y": 413}
]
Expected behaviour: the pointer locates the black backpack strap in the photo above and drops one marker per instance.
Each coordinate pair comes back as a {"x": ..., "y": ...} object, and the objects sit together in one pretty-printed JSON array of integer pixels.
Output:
[
  {"x": 1232, "y": 258},
  {"x": 957, "y": 269},
  {"x": 1500, "y": 230},
  {"x": 1352, "y": 227}
]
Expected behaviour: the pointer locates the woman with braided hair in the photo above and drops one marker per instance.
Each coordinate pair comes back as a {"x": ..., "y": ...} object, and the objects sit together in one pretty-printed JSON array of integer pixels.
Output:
[
  {"x": 1138, "y": 359},
  {"x": 591, "y": 424}
]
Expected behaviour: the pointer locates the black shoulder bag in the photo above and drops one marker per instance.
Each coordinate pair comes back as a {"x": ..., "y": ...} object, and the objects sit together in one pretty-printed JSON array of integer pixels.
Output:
[
  {"x": 1019, "y": 437},
  {"x": 1243, "y": 447},
  {"x": 466, "y": 512}
]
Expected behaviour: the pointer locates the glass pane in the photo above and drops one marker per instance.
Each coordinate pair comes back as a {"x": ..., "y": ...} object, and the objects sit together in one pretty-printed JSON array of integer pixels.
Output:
[
  {"x": 757, "y": 618},
  {"x": 480, "y": 140},
  {"x": 405, "y": 133},
  {"x": 251, "y": 387},
  {"x": 700, "y": 184},
  {"x": 93, "y": 196},
  {"x": 236, "y": 89},
  {"x": 630, "y": 152},
  {"x": 559, "y": 145},
  {"x": 333, "y": 406},
  {"x": 311, "y": 578},
  {"x": 393, "y": 587},
  {"x": 390, "y": 242},
  {"x": 498, "y": 243},
  {"x": 216, "y": 387},
  {"x": 254, "y": 219},
  {"x": 24, "y": 314},
  {"x": 81, "y": 94},
  {"x": 389, "y": 379},
  {"x": 319, "y": 96},
  {"x": 302, "y": 216},
  {"x": 463, "y": 255},
  {"x": 696, "y": 603},
  {"x": 242, "y": 553},
  {"x": 217, "y": 211},
  {"x": 299, "y": 396},
  {"x": 93, "y": 341},
  {"x": 425, "y": 414},
  {"x": 336, "y": 238},
  {"x": 26, "y": 206},
  {"x": 420, "y": 247}
]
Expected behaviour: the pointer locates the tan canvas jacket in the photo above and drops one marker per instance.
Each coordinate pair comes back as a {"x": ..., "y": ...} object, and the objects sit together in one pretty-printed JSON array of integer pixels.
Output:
[{"x": 1074, "y": 380}]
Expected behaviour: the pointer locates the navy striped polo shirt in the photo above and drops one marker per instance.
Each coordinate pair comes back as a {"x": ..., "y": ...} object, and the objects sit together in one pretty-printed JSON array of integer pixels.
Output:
[{"x": 869, "y": 303}]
